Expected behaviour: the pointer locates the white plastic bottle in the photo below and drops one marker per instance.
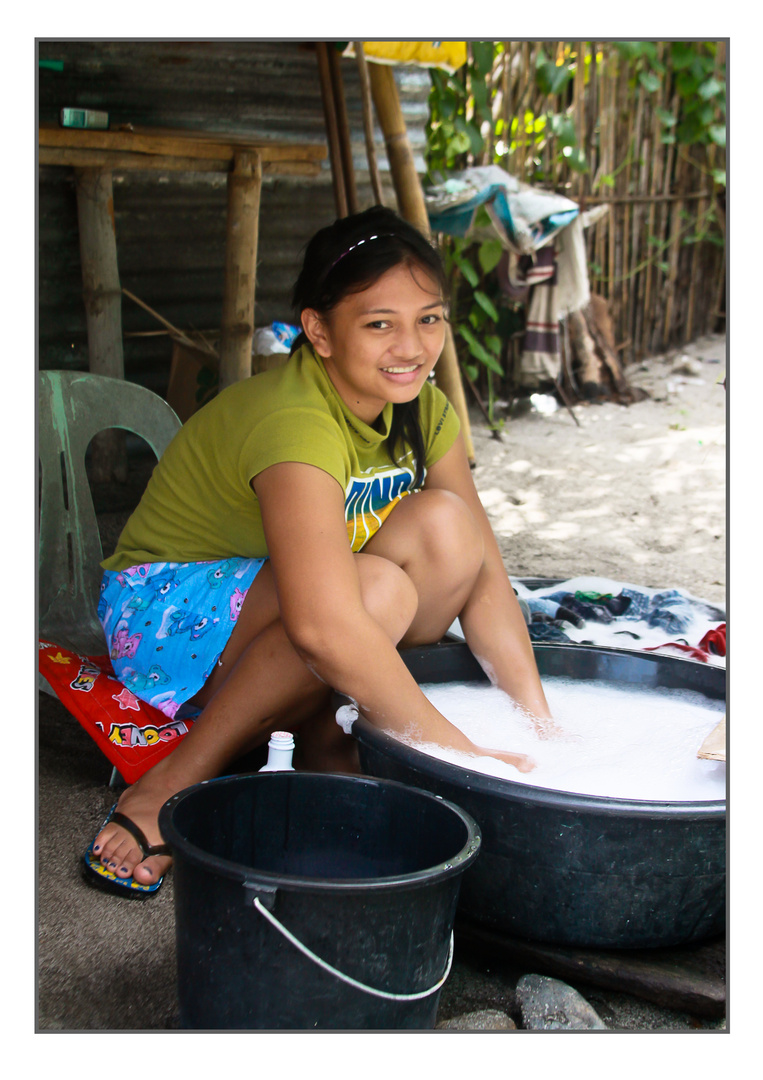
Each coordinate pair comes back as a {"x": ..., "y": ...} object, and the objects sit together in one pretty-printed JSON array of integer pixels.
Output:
[{"x": 280, "y": 750}]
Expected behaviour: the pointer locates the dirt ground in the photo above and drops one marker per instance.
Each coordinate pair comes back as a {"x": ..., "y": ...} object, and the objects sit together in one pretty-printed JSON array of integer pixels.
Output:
[{"x": 634, "y": 493}]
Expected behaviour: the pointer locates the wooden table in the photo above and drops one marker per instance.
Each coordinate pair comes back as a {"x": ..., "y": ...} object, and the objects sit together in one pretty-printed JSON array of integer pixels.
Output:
[{"x": 94, "y": 155}]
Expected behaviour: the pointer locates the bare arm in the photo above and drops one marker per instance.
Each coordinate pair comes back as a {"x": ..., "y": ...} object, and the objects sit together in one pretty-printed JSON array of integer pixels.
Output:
[
  {"x": 492, "y": 619},
  {"x": 322, "y": 610}
]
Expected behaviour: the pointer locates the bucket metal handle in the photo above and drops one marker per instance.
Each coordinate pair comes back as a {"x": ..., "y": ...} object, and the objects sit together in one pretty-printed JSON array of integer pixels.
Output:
[{"x": 346, "y": 978}]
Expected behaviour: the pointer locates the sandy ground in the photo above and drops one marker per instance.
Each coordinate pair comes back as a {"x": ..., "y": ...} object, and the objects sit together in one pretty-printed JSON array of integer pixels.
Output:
[{"x": 635, "y": 494}]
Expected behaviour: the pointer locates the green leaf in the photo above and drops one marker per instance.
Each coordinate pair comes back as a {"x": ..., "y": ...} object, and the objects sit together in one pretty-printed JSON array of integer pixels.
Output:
[
  {"x": 448, "y": 105},
  {"x": 486, "y": 304},
  {"x": 479, "y": 93},
  {"x": 476, "y": 142},
  {"x": 468, "y": 271},
  {"x": 710, "y": 88},
  {"x": 563, "y": 128},
  {"x": 478, "y": 352},
  {"x": 681, "y": 55},
  {"x": 649, "y": 81},
  {"x": 666, "y": 117},
  {"x": 718, "y": 134},
  {"x": 482, "y": 53},
  {"x": 552, "y": 79},
  {"x": 489, "y": 255},
  {"x": 719, "y": 177},
  {"x": 575, "y": 158}
]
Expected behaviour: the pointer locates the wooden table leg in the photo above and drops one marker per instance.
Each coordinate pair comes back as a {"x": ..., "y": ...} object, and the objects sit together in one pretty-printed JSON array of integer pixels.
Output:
[
  {"x": 244, "y": 186},
  {"x": 103, "y": 304}
]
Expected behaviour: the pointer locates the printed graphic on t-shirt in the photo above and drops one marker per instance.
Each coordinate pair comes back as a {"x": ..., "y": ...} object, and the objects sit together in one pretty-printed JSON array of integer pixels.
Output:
[{"x": 370, "y": 499}]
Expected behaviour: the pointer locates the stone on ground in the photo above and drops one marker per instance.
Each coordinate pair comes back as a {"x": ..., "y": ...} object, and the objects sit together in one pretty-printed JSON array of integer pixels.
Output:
[{"x": 550, "y": 1005}]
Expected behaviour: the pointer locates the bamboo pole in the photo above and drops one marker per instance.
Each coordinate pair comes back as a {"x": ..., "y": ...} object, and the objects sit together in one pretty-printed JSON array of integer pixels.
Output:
[
  {"x": 624, "y": 234},
  {"x": 674, "y": 252},
  {"x": 612, "y": 163},
  {"x": 101, "y": 292},
  {"x": 654, "y": 186},
  {"x": 659, "y": 340},
  {"x": 693, "y": 275},
  {"x": 602, "y": 227},
  {"x": 507, "y": 81},
  {"x": 655, "y": 183},
  {"x": 633, "y": 211},
  {"x": 242, "y": 229},
  {"x": 368, "y": 122},
  {"x": 591, "y": 113},
  {"x": 343, "y": 127},
  {"x": 332, "y": 129},
  {"x": 639, "y": 238},
  {"x": 579, "y": 106},
  {"x": 410, "y": 199},
  {"x": 523, "y": 93}
]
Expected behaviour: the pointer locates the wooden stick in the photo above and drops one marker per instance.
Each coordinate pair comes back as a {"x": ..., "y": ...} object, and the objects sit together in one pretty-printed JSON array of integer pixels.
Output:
[
  {"x": 343, "y": 128},
  {"x": 579, "y": 108},
  {"x": 244, "y": 186},
  {"x": 714, "y": 746},
  {"x": 102, "y": 296},
  {"x": 368, "y": 122},
  {"x": 151, "y": 142},
  {"x": 332, "y": 129},
  {"x": 201, "y": 345},
  {"x": 615, "y": 200},
  {"x": 119, "y": 160},
  {"x": 483, "y": 408}
]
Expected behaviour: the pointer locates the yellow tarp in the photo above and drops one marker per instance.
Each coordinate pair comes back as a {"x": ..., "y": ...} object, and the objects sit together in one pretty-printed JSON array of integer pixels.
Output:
[{"x": 449, "y": 55}]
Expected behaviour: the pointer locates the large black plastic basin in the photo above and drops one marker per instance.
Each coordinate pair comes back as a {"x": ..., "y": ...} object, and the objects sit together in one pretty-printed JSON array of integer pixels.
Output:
[{"x": 571, "y": 869}]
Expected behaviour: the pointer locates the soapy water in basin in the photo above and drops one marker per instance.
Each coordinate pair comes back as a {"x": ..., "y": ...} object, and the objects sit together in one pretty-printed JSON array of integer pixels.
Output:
[{"x": 614, "y": 742}]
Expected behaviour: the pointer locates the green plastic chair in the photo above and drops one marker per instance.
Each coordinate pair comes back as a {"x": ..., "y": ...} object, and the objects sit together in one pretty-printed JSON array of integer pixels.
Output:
[{"x": 72, "y": 408}]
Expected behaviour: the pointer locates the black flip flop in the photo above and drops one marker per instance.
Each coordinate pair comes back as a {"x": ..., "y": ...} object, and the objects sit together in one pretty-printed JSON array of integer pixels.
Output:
[{"x": 100, "y": 877}]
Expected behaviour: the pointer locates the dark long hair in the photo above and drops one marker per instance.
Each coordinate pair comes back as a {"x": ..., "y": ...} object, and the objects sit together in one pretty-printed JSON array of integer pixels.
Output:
[{"x": 349, "y": 256}]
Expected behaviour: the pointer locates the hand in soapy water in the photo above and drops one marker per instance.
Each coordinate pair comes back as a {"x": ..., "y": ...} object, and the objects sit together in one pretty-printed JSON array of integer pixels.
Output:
[
  {"x": 545, "y": 728},
  {"x": 522, "y": 762}
]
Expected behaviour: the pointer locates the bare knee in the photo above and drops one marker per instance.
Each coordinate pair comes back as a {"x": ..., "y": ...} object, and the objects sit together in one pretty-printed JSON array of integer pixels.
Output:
[
  {"x": 450, "y": 538},
  {"x": 388, "y": 594}
]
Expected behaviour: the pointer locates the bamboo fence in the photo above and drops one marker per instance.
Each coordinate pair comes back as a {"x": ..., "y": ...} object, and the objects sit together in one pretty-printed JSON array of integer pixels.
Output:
[{"x": 662, "y": 289}]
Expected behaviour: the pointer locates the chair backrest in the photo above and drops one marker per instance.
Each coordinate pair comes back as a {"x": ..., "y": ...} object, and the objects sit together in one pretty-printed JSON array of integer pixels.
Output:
[{"x": 72, "y": 408}]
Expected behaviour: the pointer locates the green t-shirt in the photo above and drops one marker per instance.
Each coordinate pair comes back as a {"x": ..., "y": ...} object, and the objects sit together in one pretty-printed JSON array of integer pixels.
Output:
[{"x": 199, "y": 503}]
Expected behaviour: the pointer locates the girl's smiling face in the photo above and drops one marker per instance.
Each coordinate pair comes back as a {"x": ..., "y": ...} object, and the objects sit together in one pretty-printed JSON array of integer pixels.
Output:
[{"x": 380, "y": 345}]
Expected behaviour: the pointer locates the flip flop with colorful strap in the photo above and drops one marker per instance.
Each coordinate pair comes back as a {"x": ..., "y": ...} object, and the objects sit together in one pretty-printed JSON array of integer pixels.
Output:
[{"x": 101, "y": 877}]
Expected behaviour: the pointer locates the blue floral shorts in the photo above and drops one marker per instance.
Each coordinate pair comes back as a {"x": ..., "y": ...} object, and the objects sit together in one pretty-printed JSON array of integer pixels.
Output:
[{"x": 167, "y": 623}]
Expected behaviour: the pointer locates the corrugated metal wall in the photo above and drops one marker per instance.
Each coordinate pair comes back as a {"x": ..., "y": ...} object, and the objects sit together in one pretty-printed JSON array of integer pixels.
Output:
[{"x": 171, "y": 226}]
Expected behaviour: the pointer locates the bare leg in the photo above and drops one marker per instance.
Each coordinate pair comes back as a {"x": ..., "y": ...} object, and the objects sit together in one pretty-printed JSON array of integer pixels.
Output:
[
  {"x": 260, "y": 685},
  {"x": 415, "y": 573},
  {"x": 433, "y": 537}
]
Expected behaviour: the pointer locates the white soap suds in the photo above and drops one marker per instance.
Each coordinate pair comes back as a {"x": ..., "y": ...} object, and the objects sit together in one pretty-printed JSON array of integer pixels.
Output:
[{"x": 615, "y": 742}]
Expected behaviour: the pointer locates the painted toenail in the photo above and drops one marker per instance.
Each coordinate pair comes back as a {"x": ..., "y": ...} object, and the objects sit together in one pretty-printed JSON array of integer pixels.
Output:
[{"x": 97, "y": 847}]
